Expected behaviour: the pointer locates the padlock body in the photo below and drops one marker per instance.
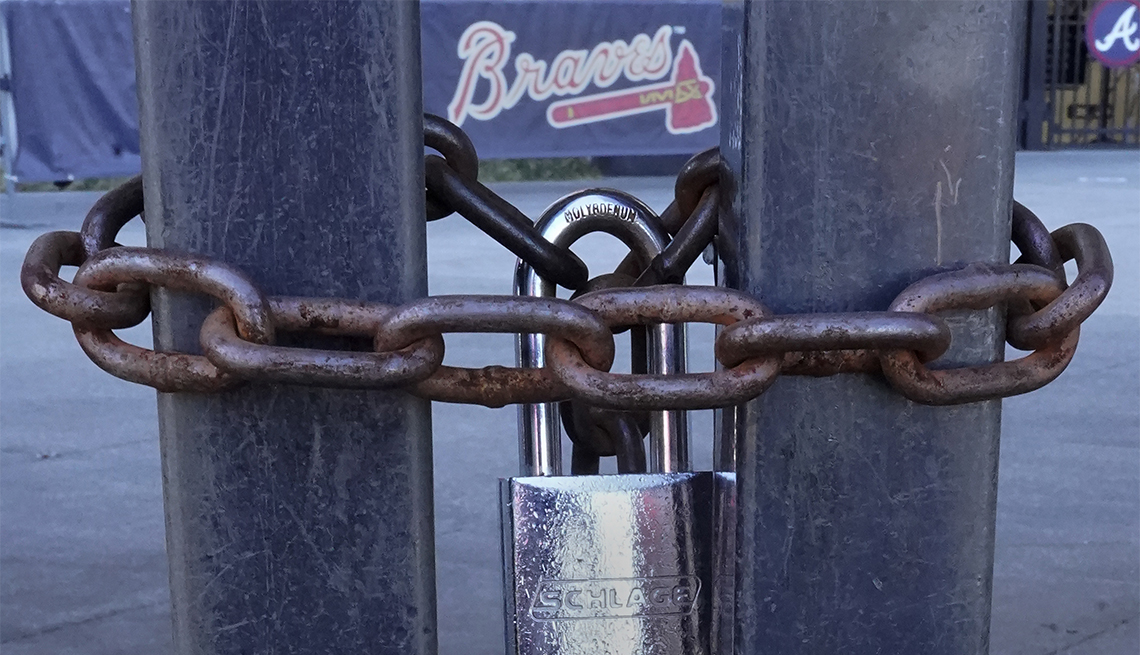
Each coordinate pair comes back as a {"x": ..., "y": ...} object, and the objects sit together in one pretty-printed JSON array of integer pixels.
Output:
[{"x": 616, "y": 564}]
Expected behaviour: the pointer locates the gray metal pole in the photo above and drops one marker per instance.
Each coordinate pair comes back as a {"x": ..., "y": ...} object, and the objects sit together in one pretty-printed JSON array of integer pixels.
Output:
[
  {"x": 8, "y": 140},
  {"x": 286, "y": 137},
  {"x": 867, "y": 144}
]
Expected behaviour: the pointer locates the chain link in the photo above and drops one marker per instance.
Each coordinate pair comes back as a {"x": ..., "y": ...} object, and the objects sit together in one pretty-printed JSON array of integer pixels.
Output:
[
  {"x": 226, "y": 349},
  {"x": 643, "y": 391},
  {"x": 1068, "y": 310},
  {"x": 458, "y": 153},
  {"x": 502, "y": 314},
  {"x": 40, "y": 279},
  {"x": 595, "y": 432},
  {"x": 170, "y": 371},
  {"x": 503, "y": 223},
  {"x": 110, "y": 291},
  {"x": 978, "y": 286},
  {"x": 691, "y": 219},
  {"x": 928, "y": 336},
  {"x": 109, "y": 214}
]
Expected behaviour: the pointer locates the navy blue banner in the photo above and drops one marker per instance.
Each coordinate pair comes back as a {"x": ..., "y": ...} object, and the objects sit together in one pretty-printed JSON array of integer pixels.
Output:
[
  {"x": 524, "y": 78},
  {"x": 73, "y": 89},
  {"x": 564, "y": 78}
]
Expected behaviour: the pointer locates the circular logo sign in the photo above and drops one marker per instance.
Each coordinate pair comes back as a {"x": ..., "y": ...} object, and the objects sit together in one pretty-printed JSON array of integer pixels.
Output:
[{"x": 1112, "y": 33}]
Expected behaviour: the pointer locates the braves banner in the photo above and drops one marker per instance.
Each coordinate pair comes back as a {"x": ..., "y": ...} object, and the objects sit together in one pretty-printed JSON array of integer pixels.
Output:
[
  {"x": 525, "y": 78},
  {"x": 565, "y": 78}
]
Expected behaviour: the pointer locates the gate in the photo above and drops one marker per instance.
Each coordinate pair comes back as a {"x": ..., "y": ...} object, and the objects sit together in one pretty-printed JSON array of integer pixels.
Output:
[{"x": 1071, "y": 99}]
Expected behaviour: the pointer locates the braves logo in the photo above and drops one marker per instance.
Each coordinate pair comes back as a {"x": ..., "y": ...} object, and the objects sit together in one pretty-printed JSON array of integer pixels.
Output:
[
  {"x": 686, "y": 97},
  {"x": 1111, "y": 32}
]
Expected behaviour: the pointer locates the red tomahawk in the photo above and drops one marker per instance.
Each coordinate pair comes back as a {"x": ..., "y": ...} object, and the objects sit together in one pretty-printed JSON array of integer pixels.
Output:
[{"x": 686, "y": 99}]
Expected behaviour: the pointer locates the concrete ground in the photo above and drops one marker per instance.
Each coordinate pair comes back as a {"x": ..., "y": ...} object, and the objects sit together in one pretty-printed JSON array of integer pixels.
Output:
[{"x": 82, "y": 560}]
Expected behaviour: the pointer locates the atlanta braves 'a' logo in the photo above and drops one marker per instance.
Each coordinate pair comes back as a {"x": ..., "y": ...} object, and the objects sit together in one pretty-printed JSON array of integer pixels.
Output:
[
  {"x": 686, "y": 97},
  {"x": 1111, "y": 33}
]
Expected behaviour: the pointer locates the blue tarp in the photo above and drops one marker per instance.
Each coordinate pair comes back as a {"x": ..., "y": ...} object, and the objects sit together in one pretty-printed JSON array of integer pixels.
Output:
[
  {"x": 524, "y": 79},
  {"x": 73, "y": 87}
]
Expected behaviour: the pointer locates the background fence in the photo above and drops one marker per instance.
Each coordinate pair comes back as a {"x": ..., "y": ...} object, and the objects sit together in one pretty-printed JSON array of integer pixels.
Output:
[
  {"x": 1071, "y": 99},
  {"x": 617, "y": 79}
]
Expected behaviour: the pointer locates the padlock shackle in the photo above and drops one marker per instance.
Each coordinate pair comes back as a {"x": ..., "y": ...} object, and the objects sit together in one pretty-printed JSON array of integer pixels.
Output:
[{"x": 567, "y": 220}]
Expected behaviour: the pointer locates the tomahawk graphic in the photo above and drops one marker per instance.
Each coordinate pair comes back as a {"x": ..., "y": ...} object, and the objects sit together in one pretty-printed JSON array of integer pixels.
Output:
[{"x": 686, "y": 99}]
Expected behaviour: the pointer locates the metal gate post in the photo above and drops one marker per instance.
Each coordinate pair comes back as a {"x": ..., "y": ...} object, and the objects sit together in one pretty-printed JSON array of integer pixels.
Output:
[
  {"x": 286, "y": 138},
  {"x": 867, "y": 144},
  {"x": 8, "y": 142}
]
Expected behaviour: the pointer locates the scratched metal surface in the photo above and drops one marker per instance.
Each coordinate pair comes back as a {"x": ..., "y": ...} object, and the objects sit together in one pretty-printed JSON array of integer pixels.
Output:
[
  {"x": 626, "y": 218},
  {"x": 608, "y": 564},
  {"x": 82, "y": 558},
  {"x": 283, "y": 137},
  {"x": 864, "y": 153}
]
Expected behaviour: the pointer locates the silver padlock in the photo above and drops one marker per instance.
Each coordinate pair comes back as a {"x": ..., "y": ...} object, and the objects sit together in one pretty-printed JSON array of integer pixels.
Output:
[
  {"x": 563, "y": 223},
  {"x": 606, "y": 564}
]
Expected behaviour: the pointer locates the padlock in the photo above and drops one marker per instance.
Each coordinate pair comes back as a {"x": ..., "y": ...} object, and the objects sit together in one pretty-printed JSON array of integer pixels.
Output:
[
  {"x": 606, "y": 564},
  {"x": 563, "y": 223}
]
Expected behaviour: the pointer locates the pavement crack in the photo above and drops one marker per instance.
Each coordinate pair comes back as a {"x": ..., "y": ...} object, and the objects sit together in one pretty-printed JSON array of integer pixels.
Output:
[
  {"x": 1085, "y": 640},
  {"x": 40, "y": 454},
  {"x": 97, "y": 616}
]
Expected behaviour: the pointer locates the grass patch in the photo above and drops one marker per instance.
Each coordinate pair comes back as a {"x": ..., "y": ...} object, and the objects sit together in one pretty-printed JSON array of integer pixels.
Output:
[
  {"x": 529, "y": 170},
  {"x": 90, "y": 184}
]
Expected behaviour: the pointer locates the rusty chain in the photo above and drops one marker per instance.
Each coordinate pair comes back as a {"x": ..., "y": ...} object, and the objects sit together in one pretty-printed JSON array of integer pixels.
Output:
[
  {"x": 238, "y": 339},
  {"x": 691, "y": 220}
]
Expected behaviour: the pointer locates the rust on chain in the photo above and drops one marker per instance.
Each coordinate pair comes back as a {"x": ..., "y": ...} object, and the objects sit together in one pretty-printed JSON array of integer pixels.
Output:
[
  {"x": 664, "y": 304},
  {"x": 498, "y": 314},
  {"x": 504, "y": 223},
  {"x": 672, "y": 220},
  {"x": 162, "y": 370},
  {"x": 453, "y": 143},
  {"x": 109, "y": 214},
  {"x": 193, "y": 273},
  {"x": 492, "y": 386},
  {"x": 700, "y": 172},
  {"x": 110, "y": 292},
  {"x": 1085, "y": 244},
  {"x": 496, "y": 385},
  {"x": 978, "y": 286},
  {"x": 671, "y": 264},
  {"x": 89, "y": 308},
  {"x": 673, "y": 303},
  {"x": 166, "y": 372},
  {"x": 311, "y": 366},
  {"x": 1032, "y": 238},
  {"x": 928, "y": 335},
  {"x": 1036, "y": 245},
  {"x": 830, "y": 362},
  {"x": 596, "y": 432},
  {"x": 977, "y": 383},
  {"x": 692, "y": 219},
  {"x": 331, "y": 316}
]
